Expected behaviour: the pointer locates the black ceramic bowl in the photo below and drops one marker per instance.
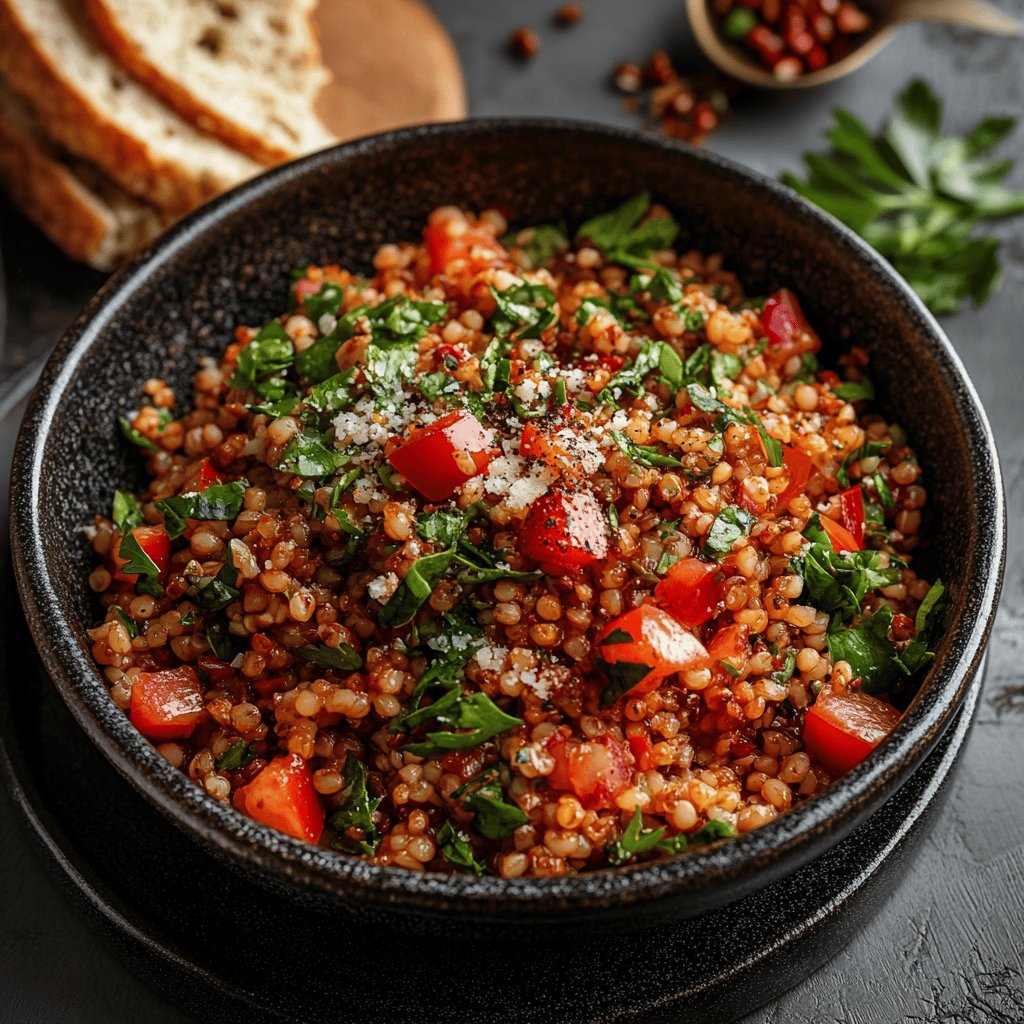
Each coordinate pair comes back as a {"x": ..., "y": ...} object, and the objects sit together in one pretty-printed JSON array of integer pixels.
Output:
[{"x": 229, "y": 263}]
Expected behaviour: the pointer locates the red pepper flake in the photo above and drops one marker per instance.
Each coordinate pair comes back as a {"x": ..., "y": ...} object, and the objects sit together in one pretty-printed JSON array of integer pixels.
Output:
[
  {"x": 569, "y": 14},
  {"x": 525, "y": 43}
]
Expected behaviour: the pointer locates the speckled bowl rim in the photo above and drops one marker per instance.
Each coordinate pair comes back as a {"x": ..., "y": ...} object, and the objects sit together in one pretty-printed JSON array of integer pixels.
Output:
[{"x": 740, "y": 864}]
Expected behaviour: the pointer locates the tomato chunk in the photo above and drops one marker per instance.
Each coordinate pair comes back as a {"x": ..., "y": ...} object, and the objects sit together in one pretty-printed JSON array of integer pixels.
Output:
[
  {"x": 166, "y": 705},
  {"x": 155, "y": 542},
  {"x": 840, "y": 537},
  {"x": 798, "y": 467},
  {"x": 786, "y": 328},
  {"x": 445, "y": 454},
  {"x": 282, "y": 796},
  {"x": 690, "y": 591},
  {"x": 597, "y": 771},
  {"x": 564, "y": 531},
  {"x": 842, "y": 729},
  {"x": 730, "y": 644},
  {"x": 475, "y": 244},
  {"x": 851, "y": 507},
  {"x": 207, "y": 476},
  {"x": 646, "y": 637}
]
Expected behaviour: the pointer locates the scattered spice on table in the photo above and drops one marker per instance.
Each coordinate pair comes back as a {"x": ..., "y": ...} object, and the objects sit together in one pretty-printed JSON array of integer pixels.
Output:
[
  {"x": 687, "y": 107},
  {"x": 525, "y": 43},
  {"x": 569, "y": 14},
  {"x": 793, "y": 37}
]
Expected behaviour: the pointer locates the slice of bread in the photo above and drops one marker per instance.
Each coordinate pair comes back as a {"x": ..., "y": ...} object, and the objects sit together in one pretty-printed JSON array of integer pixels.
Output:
[
  {"x": 84, "y": 214},
  {"x": 248, "y": 71},
  {"x": 90, "y": 106}
]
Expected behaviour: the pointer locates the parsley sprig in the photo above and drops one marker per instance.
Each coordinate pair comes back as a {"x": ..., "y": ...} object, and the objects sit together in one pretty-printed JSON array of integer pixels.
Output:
[{"x": 918, "y": 196}]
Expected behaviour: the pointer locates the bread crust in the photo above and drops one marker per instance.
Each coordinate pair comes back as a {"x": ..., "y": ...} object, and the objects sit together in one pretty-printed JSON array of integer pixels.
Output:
[
  {"x": 78, "y": 125},
  {"x": 187, "y": 103},
  {"x": 73, "y": 217}
]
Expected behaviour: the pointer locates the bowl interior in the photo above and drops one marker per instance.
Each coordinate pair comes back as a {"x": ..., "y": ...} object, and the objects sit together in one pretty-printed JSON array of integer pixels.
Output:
[{"x": 230, "y": 264}]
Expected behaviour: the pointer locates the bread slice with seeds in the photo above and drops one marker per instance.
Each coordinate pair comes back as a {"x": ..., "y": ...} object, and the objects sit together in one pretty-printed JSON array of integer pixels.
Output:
[
  {"x": 248, "y": 71},
  {"x": 81, "y": 212},
  {"x": 90, "y": 106}
]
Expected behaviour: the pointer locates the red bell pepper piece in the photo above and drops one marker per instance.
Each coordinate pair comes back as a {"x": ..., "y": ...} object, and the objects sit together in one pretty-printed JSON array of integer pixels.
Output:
[
  {"x": 690, "y": 591},
  {"x": 597, "y": 771},
  {"x": 839, "y": 536},
  {"x": 842, "y": 729},
  {"x": 564, "y": 531},
  {"x": 641, "y": 748},
  {"x": 649, "y": 636},
  {"x": 445, "y": 454},
  {"x": 155, "y": 542},
  {"x": 166, "y": 705},
  {"x": 786, "y": 328},
  {"x": 444, "y": 247},
  {"x": 218, "y": 671},
  {"x": 798, "y": 466},
  {"x": 282, "y": 796},
  {"x": 851, "y": 508}
]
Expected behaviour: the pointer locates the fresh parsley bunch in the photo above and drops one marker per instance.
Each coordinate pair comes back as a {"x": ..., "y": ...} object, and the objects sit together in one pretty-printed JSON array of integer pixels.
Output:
[{"x": 918, "y": 196}]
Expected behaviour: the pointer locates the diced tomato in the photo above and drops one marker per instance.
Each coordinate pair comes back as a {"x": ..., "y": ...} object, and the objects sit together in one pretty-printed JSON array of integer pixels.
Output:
[
  {"x": 611, "y": 361},
  {"x": 564, "y": 531},
  {"x": 851, "y": 508},
  {"x": 690, "y": 591},
  {"x": 641, "y": 747},
  {"x": 217, "y": 670},
  {"x": 597, "y": 771},
  {"x": 207, "y": 476},
  {"x": 445, "y": 355},
  {"x": 798, "y": 467},
  {"x": 166, "y": 705},
  {"x": 842, "y": 729},
  {"x": 464, "y": 763},
  {"x": 648, "y": 636},
  {"x": 267, "y": 687},
  {"x": 444, "y": 455},
  {"x": 155, "y": 542},
  {"x": 730, "y": 644},
  {"x": 841, "y": 538},
  {"x": 786, "y": 328},
  {"x": 444, "y": 248},
  {"x": 282, "y": 796}
]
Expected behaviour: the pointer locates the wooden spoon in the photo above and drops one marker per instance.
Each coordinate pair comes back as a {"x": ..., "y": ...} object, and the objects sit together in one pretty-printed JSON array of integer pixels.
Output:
[{"x": 736, "y": 61}]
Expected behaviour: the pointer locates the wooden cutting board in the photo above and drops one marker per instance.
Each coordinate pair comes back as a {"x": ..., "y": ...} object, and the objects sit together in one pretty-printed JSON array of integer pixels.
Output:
[{"x": 393, "y": 65}]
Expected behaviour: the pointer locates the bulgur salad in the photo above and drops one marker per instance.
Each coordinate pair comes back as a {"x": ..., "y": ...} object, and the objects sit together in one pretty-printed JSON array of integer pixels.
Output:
[{"x": 526, "y": 554}]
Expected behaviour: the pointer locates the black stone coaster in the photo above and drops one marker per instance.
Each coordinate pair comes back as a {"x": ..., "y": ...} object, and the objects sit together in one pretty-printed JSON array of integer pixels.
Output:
[{"x": 224, "y": 949}]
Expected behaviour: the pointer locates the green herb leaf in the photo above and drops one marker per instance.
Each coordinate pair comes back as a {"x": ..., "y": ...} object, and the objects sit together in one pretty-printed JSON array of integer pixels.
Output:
[
  {"x": 312, "y": 454},
  {"x": 135, "y": 559},
  {"x": 642, "y": 454},
  {"x": 634, "y": 840},
  {"x": 621, "y": 235},
  {"x": 707, "y": 833},
  {"x": 237, "y": 755},
  {"x": 424, "y": 574},
  {"x": 325, "y": 301},
  {"x": 729, "y": 526},
  {"x": 471, "y": 719},
  {"x": 342, "y": 657},
  {"x": 457, "y": 849},
  {"x": 919, "y": 197},
  {"x": 621, "y": 676},
  {"x": 335, "y": 394},
  {"x": 855, "y": 390},
  {"x": 220, "y": 502},
  {"x": 495, "y": 817},
  {"x": 866, "y": 451},
  {"x": 212, "y": 593},
  {"x": 126, "y": 512},
  {"x": 544, "y": 243},
  {"x": 356, "y": 809},
  {"x": 869, "y": 651},
  {"x": 528, "y": 309},
  {"x": 135, "y": 436},
  {"x": 126, "y": 620},
  {"x": 927, "y": 621},
  {"x": 784, "y": 674},
  {"x": 269, "y": 353}
]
